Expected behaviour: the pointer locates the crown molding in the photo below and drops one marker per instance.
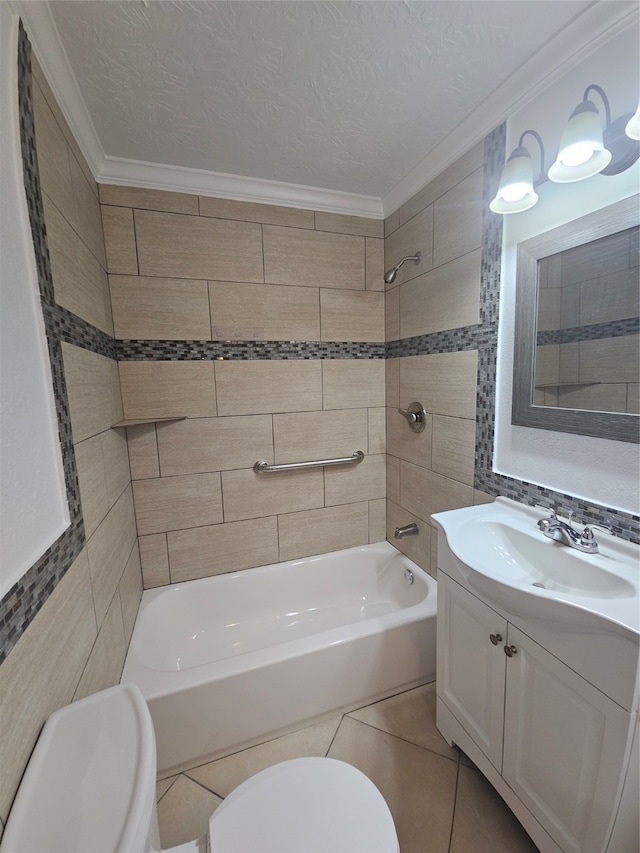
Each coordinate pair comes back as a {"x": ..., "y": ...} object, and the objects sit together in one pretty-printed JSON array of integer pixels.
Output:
[
  {"x": 46, "y": 44},
  {"x": 580, "y": 37},
  {"x": 118, "y": 170},
  {"x": 584, "y": 34}
]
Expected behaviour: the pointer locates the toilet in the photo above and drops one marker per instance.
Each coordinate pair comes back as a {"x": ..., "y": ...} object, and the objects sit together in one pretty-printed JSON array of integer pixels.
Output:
[{"x": 90, "y": 786}]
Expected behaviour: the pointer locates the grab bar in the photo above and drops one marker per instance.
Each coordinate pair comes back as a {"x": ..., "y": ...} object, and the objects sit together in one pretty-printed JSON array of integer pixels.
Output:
[{"x": 262, "y": 467}]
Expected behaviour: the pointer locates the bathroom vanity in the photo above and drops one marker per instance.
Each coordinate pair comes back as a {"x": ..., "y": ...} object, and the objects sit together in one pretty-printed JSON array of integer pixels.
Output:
[{"x": 537, "y": 673}]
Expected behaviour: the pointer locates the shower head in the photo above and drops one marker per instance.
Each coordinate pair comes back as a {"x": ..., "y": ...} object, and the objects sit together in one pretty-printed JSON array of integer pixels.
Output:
[{"x": 390, "y": 275}]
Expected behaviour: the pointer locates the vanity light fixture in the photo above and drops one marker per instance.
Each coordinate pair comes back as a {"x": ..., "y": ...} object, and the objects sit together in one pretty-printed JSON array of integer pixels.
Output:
[
  {"x": 516, "y": 191},
  {"x": 585, "y": 150}
]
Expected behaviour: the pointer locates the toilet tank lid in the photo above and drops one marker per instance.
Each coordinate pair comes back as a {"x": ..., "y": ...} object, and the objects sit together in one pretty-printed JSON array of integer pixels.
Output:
[{"x": 90, "y": 783}]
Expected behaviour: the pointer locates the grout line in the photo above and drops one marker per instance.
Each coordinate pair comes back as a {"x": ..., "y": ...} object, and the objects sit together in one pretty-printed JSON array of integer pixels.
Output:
[
  {"x": 455, "y": 800},
  {"x": 169, "y": 788},
  {"x": 335, "y": 735}
]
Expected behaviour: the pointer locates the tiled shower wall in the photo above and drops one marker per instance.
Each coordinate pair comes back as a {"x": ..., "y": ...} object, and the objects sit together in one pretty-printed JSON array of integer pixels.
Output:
[
  {"x": 264, "y": 327},
  {"x": 67, "y": 623},
  {"x": 432, "y": 311}
]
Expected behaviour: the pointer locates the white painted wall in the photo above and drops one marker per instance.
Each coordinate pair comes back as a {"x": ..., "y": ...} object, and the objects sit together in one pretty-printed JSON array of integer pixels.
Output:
[
  {"x": 33, "y": 505},
  {"x": 606, "y": 472}
]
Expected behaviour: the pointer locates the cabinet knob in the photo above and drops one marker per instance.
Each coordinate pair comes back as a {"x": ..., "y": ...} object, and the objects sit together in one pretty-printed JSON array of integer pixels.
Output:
[
  {"x": 510, "y": 651},
  {"x": 495, "y": 638}
]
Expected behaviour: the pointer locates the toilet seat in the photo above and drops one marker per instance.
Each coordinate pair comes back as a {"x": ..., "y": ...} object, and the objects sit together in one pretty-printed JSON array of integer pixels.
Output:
[{"x": 306, "y": 805}]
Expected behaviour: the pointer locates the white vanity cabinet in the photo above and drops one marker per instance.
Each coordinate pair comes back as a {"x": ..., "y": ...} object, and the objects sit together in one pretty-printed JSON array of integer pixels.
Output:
[{"x": 553, "y": 745}]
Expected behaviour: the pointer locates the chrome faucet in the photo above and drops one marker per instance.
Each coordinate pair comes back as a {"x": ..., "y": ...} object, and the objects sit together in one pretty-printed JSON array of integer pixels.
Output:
[
  {"x": 407, "y": 530},
  {"x": 558, "y": 530}
]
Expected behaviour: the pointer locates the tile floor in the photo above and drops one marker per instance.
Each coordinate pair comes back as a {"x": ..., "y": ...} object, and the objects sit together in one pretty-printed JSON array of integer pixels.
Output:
[{"x": 440, "y": 802}]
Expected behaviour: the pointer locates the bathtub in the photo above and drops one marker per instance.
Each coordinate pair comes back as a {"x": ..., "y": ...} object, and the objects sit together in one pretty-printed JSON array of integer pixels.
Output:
[{"x": 230, "y": 661}]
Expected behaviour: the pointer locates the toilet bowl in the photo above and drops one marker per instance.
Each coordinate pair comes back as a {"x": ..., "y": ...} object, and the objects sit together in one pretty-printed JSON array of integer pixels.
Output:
[{"x": 90, "y": 786}]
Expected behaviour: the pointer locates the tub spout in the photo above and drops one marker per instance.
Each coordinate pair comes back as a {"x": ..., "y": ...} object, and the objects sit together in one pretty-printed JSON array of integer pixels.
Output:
[{"x": 407, "y": 530}]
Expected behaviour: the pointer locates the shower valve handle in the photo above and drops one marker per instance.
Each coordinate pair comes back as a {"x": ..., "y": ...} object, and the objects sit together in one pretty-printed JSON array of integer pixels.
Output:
[{"x": 415, "y": 415}]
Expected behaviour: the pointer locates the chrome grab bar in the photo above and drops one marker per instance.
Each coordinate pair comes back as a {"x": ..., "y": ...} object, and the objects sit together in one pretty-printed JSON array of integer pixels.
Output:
[{"x": 262, "y": 467}]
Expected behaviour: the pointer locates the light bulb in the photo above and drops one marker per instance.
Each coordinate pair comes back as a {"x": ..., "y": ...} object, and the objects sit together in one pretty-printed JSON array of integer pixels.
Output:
[
  {"x": 576, "y": 155},
  {"x": 515, "y": 192}
]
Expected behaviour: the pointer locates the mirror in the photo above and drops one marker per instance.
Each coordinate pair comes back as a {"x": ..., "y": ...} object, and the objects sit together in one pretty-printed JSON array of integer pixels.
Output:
[{"x": 577, "y": 347}]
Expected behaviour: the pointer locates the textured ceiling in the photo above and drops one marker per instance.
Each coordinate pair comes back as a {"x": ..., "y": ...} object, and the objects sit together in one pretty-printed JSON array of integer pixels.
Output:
[{"x": 339, "y": 95}]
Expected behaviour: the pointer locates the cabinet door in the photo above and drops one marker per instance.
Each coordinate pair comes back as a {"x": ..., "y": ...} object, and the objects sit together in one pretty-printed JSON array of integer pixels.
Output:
[
  {"x": 564, "y": 746},
  {"x": 471, "y": 669}
]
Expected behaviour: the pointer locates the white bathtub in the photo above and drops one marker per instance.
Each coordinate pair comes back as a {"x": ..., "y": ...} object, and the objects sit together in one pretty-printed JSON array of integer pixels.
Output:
[{"x": 229, "y": 661}]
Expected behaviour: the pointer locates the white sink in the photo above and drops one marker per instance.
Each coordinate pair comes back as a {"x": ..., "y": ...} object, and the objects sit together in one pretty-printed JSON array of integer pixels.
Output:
[{"x": 502, "y": 554}]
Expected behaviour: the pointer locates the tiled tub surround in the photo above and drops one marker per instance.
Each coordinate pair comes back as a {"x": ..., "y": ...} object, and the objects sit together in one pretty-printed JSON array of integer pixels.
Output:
[
  {"x": 264, "y": 327},
  {"x": 66, "y": 630}
]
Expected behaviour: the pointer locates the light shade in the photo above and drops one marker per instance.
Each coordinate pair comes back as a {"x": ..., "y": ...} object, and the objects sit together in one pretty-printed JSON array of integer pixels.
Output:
[
  {"x": 632, "y": 128},
  {"x": 515, "y": 192},
  {"x": 582, "y": 152}
]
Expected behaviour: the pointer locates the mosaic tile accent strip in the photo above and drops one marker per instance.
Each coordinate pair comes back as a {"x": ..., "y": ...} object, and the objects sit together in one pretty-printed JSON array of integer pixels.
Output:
[
  {"x": 128, "y": 350},
  {"x": 451, "y": 340},
  {"x": 71, "y": 329},
  {"x": 596, "y": 331},
  {"x": 23, "y": 601}
]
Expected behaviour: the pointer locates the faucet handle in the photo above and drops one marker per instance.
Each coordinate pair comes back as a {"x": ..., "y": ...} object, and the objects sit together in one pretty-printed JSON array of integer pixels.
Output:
[
  {"x": 587, "y": 533},
  {"x": 548, "y": 507}
]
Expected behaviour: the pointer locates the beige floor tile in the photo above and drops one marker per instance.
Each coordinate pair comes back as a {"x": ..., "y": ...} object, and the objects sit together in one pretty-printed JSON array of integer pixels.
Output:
[
  {"x": 225, "y": 774},
  {"x": 184, "y": 812},
  {"x": 163, "y": 785},
  {"x": 418, "y": 785},
  {"x": 483, "y": 823},
  {"x": 410, "y": 716}
]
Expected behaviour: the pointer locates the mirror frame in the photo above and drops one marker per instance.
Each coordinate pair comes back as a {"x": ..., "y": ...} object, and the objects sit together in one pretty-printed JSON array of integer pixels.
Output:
[{"x": 601, "y": 223}]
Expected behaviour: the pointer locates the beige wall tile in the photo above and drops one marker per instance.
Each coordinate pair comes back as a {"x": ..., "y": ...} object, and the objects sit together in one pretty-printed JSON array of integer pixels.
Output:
[
  {"x": 92, "y": 481},
  {"x": 307, "y": 436},
  {"x": 116, "y": 463},
  {"x": 269, "y": 214},
  {"x": 148, "y": 199},
  {"x": 339, "y": 223},
  {"x": 352, "y": 383},
  {"x": 482, "y": 498},
  {"x": 377, "y": 430},
  {"x": 374, "y": 264},
  {"x": 460, "y": 169},
  {"x": 600, "y": 398},
  {"x": 60, "y": 119},
  {"x": 154, "y": 560},
  {"x": 423, "y": 492},
  {"x": 109, "y": 549},
  {"x": 457, "y": 220},
  {"x": 88, "y": 221},
  {"x": 547, "y": 366},
  {"x": 264, "y": 312},
  {"x": 130, "y": 591},
  {"x": 181, "y": 246},
  {"x": 168, "y": 388},
  {"x": 119, "y": 240},
  {"x": 416, "y": 235},
  {"x": 633, "y": 398},
  {"x": 365, "y": 481},
  {"x": 391, "y": 223},
  {"x": 321, "y": 530},
  {"x": 392, "y": 314},
  {"x": 92, "y": 387},
  {"x": 160, "y": 308},
  {"x": 453, "y": 448},
  {"x": 393, "y": 479},
  {"x": 417, "y": 548},
  {"x": 175, "y": 503},
  {"x": 611, "y": 297},
  {"x": 79, "y": 282},
  {"x": 392, "y": 382},
  {"x": 143, "y": 451},
  {"x": 444, "y": 382},
  {"x": 445, "y": 298},
  {"x": 250, "y": 495},
  {"x": 312, "y": 258},
  {"x": 198, "y": 445},
  {"x": 377, "y": 520},
  {"x": 259, "y": 387},
  {"x": 549, "y": 308},
  {"x": 53, "y": 156},
  {"x": 42, "y": 671},
  {"x": 352, "y": 315},
  {"x": 223, "y": 548},
  {"x": 404, "y": 443},
  {"x": 106, "y": 660}
]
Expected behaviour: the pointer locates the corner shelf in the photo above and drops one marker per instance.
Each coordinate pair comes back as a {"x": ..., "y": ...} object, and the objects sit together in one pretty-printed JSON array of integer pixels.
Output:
[
  {"x": 567, "y": 385},
  {"x": 127, "y": 422}
]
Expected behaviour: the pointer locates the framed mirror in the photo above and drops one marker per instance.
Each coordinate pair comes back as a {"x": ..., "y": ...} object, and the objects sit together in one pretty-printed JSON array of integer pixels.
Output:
[{"x": 577, "y": 345}]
